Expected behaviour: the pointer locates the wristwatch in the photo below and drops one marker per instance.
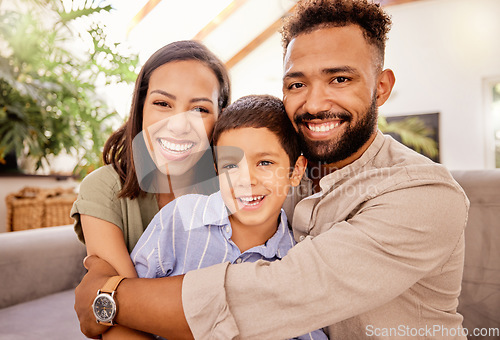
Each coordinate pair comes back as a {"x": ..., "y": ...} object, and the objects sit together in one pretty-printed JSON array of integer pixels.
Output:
[{"x": 104, "y": 305}]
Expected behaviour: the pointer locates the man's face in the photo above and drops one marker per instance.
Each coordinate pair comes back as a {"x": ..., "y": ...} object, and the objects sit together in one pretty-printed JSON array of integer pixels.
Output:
[{"x": 330, "y": 93}]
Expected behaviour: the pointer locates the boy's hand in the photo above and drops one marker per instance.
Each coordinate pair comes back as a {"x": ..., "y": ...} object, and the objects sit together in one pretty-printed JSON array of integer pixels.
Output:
[{"x": 99, "y": 271}]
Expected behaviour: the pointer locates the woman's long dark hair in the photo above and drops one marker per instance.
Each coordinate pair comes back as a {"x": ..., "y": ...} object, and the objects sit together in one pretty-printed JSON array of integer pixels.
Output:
[{"x": 118, "y": 149}]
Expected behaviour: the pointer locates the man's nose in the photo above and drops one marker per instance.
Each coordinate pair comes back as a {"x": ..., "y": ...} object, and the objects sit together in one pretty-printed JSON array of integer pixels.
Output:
[{"x": 316, "y": 100}]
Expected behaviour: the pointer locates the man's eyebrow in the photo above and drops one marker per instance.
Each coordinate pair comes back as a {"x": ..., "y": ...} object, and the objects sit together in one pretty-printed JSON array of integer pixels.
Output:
[
  {"x": 193, "y": 100},
  {"x": 293, "y": 75},
  {"x": 329, "y": 71},
  {"x": 341, "y": 69}
]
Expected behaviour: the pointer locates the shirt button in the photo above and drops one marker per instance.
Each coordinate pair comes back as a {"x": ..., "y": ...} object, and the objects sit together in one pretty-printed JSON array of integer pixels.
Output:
[
  {"x": 228, "y": 229},
  {"x": 301, "y": 238},
  {"x": 238, "y": 260}
]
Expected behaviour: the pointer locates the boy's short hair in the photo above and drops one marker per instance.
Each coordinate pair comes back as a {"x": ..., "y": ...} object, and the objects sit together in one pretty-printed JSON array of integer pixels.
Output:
[
  {"x": 311, "y": 15},
  {"x": 260, "y": 111}
]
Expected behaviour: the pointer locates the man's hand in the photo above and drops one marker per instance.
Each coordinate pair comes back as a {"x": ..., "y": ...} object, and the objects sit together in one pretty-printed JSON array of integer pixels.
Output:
[{"x": 99, "y": 271}]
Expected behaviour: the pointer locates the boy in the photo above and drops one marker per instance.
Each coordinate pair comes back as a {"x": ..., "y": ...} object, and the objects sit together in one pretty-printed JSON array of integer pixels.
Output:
[{"x": 255, "y": 146}]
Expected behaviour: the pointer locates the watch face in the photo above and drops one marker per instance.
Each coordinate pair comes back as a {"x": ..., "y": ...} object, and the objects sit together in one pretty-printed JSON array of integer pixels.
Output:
[{"x": 104, "y": 308}]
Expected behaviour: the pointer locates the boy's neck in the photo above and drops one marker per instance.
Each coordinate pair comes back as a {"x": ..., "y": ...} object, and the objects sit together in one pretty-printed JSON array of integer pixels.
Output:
[{"x": 247, "y": 237}]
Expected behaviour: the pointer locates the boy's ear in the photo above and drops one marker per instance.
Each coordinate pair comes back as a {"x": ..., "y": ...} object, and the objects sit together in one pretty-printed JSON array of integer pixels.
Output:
[{"x": 298, "y": 170}]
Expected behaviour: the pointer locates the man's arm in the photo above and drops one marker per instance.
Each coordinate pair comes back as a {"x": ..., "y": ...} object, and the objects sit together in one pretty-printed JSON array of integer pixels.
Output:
[{"x": 151, "y": 305}]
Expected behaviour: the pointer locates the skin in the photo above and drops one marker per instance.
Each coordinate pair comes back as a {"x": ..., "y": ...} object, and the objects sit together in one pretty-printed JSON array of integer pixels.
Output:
[
  {"x": 320, "y": 75},
  {"x": 262, "y": 175},
  {"x": 310, "y": 58},
  {"x": 181, "y": 107}
]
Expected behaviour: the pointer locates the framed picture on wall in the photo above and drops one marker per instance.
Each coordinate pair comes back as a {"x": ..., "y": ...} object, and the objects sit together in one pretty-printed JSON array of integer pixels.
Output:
[{"x": 428, "y": 133}]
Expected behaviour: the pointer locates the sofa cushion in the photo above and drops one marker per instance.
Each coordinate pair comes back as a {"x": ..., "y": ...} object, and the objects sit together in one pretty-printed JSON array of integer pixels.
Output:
[
  {"x": 51, "y": 317},
  {"x": 38, "y": 262},
  {"x": 480, "y": 296}
]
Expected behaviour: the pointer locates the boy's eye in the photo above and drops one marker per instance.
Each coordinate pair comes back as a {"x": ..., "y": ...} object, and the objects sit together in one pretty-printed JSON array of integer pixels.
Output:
[
  {"x": 229, "y": 166},
  {"x": 265, "y": 163}
]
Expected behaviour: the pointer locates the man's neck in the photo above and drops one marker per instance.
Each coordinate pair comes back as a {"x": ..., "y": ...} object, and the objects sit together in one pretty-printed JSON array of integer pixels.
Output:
[{"x": 317, "y": 170}]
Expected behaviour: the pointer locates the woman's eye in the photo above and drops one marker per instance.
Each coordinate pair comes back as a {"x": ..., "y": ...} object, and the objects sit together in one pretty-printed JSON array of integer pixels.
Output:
[
  {"x": 161, "y": 103},
  {"x": 201, "y": 110}
]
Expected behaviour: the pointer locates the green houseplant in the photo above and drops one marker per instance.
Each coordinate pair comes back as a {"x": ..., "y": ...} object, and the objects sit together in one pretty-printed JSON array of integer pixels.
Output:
[{"x": 49, "y": 100}]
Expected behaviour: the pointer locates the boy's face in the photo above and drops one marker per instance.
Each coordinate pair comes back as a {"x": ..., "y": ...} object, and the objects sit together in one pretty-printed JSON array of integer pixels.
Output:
[{"x": 254, "y": 175}]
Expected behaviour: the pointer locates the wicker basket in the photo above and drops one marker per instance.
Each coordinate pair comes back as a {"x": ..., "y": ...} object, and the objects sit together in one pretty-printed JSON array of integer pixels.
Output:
[{"x": 34, "y": 207}]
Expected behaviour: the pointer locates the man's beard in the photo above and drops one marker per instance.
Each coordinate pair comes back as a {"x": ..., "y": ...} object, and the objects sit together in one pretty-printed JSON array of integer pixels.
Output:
[{"x": 345, "y": 145}]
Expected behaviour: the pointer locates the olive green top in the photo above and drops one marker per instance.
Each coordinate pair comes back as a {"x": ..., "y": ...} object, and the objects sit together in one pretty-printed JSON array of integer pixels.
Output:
[{"x": 98, "y": 197}]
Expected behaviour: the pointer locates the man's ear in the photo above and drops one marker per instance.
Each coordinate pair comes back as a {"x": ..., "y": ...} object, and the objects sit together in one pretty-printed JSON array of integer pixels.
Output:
[
  {"x": 385, "y": 83},
  {"x": 298, "y": 170}
]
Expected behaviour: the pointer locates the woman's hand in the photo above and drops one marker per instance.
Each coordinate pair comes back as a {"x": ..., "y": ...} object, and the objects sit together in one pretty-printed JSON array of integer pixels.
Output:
[{"x": 99, "y": 271}]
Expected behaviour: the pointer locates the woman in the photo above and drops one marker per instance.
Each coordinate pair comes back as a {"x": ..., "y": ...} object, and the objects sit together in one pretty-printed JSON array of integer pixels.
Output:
[{"x": 155, "y": 156}]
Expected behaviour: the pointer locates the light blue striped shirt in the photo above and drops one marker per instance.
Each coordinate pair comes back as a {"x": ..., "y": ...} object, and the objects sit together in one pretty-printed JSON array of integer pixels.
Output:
[{"x": 193, "y": 232}]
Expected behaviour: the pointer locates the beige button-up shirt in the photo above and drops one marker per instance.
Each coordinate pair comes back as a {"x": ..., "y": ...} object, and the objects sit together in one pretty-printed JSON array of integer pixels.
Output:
[{"x": 380, "y": 256}]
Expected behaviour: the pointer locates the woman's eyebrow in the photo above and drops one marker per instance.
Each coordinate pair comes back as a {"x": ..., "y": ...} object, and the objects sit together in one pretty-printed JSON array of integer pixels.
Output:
[
  {"x": 201, "y": 99},
  {"x": 164, "y": 93},
  {"x": 171, "y": 96}
]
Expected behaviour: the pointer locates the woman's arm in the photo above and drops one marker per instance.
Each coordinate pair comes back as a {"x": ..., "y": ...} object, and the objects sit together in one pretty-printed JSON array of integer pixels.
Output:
[{"x": 105, "y": 240}]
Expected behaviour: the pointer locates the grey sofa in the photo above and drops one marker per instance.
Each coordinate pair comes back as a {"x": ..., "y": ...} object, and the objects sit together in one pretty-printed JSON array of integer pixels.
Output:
[{"x": 39, "y": 269}]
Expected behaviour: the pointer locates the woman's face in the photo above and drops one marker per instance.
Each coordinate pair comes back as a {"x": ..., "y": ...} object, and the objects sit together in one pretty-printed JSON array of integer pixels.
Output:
[{"x": 180, "y": 110}]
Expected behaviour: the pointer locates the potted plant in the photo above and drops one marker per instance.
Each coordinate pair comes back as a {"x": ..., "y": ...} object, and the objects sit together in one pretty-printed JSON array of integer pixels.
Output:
[{"x": 49, "y": 102}]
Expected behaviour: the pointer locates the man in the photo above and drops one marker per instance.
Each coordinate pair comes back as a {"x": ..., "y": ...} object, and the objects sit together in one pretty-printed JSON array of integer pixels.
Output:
[{"x": 381, "y": 242}]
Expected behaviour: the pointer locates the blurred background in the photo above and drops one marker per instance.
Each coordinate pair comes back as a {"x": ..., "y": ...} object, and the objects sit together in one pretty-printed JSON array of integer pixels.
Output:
[{"x": 67, "y": 69}]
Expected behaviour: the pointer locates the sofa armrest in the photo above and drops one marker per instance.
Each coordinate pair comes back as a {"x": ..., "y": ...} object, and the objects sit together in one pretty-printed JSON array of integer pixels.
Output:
[{"x": 38, "y": 262}]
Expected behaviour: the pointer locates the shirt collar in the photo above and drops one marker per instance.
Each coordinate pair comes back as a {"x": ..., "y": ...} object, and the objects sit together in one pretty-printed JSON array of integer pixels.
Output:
[
  {"x": 329, "y": 180},
  {"x": 279, "y": 244},
  {"x": 216, "y": 214}
]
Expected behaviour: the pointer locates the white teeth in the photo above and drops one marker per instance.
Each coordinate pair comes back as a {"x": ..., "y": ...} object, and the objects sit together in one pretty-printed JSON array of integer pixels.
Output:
[
  {"x": 251, "y": 200},
  {"x": 175, "y": 147},
  {"x": 322, "y": 127}
]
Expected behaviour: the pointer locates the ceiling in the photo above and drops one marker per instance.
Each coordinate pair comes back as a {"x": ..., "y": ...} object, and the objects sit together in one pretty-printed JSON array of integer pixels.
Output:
[{"x": 243, "y": 33}]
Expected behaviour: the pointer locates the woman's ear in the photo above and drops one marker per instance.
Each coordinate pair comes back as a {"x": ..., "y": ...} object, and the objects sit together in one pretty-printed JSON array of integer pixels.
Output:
[{"x": 298, "y": 171}]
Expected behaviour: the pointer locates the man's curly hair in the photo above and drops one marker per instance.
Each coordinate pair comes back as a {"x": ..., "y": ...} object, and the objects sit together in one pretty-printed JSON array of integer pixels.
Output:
[{"x": 311, "y": 15}]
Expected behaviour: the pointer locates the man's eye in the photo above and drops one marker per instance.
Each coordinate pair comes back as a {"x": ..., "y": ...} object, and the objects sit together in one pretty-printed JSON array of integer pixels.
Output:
[
  {"x": 340, "y": 80},
  {"x": 295, "y": 86}
]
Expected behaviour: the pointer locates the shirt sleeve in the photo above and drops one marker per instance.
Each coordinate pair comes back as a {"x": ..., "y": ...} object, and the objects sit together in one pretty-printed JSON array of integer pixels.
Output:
[
  {"x": 153, "y": 256},
  {"x": 98, "y": 197},
  {"x": 355, "y": 266}
]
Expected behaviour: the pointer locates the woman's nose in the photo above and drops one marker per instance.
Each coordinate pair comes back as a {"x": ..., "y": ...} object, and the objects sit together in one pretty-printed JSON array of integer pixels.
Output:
[{"x": 179, "y": 124}]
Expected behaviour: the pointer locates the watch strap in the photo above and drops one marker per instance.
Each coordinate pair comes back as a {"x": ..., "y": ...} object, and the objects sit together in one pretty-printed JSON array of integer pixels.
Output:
[{"x": 112, "y": 283}]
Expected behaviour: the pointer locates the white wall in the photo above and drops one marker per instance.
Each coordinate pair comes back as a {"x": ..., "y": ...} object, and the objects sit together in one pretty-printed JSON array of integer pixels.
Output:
[{"x": 442, "y": 51}]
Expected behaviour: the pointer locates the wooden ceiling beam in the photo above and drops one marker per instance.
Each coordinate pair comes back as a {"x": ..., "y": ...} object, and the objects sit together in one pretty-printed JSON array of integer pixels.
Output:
[
  {"x": 257, "y": 41},
  {"x": 148, "y": 7},
  {"x": 219, "y": 19},
  {"x": 273, "y": 28}
]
